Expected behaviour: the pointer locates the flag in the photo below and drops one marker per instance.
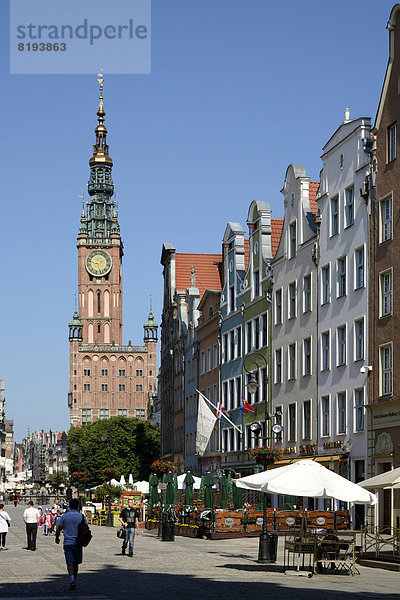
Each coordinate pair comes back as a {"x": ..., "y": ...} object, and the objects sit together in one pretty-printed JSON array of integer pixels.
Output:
[
  {"x": 205, "y": 425},
  {"x": 245, "y": 406},
  {"x": 220, "y": 409}
]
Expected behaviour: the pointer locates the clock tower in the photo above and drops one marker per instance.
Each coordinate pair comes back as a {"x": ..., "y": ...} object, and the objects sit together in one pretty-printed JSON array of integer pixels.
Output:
[{"x": 106, "y": 378}]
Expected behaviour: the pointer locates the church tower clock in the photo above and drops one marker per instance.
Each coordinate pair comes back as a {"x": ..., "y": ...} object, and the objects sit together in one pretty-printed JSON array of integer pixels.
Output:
[{"x": 106, "y": 378}]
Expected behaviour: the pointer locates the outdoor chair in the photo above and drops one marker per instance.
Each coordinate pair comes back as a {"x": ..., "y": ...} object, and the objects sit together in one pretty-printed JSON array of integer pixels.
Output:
[{"x": 344, "y": 560}]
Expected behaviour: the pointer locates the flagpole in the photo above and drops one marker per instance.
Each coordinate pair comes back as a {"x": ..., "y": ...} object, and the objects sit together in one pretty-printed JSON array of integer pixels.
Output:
[{"x": 222, "y": 414}]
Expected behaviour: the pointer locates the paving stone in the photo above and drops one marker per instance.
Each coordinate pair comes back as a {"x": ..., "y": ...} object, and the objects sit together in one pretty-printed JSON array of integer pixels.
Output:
[{"x": 186, "y": 568}]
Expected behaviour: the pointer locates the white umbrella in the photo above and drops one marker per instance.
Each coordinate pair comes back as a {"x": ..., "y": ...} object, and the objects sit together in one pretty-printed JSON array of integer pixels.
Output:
[
  {"x": 310, "y": 479},
  {"x": 141, "y": 486},
  {"x": 130, "y": 479},
  {"x": 388, "y": 479},
  {"x": 122, "y": 481}
]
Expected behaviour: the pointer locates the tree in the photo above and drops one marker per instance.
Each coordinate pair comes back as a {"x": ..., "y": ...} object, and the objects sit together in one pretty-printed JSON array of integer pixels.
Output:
[
  {"x": 57, "y": 478},
  {"x": 134, "y": 445}
]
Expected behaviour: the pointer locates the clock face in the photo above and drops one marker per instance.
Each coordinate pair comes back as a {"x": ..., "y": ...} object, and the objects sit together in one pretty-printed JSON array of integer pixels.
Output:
[{"x": 98, "y": 263}]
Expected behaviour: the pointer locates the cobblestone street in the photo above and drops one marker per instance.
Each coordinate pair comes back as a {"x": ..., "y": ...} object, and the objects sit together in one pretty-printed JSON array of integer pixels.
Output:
[{"x": 186, "y": 568}]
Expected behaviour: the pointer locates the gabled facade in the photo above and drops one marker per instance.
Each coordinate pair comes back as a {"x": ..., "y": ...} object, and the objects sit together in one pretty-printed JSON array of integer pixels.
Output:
[
  {"x": 342, "y": 298},
  {"x": 234, "y": 248},
  {"x": 209, "y": 349},
  {"x": 257, "y": 316},
  {"x": 294, "y": 323},
  {"x": 384, "y": 299}
]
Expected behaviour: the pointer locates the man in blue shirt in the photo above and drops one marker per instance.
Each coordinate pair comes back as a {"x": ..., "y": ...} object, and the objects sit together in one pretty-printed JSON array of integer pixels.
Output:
[{"x": 69, "y": 523}]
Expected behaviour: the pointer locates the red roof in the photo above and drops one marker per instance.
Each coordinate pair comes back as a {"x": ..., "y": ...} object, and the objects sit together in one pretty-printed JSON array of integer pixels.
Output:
[
  {"x": 312, "y": 194},
  {"x": 207, "y": 268},
  {"x": 276, "y": 232}
]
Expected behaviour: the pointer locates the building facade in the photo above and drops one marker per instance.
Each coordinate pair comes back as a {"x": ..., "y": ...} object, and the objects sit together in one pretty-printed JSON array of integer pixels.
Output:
[
  {"x": 342, "y": 299},
  {"x": 186, "y": 278},
  {"x": 209, "y": 348},
  {"x": 384, "y": 301},
  {"x": 294, "y": 323},
  {"x": 106, "y": 378}
]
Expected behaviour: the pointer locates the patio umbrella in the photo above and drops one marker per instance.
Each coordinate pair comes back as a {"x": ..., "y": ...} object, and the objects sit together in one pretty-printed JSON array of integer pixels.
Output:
[
  {"x": 169, "y": 492},
  {"x": 189, "y": 481},
  {"x": 153, "y": 491},
  {"x": 310, "y": 479},
  {"x": 182, "y": 485},
  {"x": 384, "y": 480},
  {"x": 142, "y": 486},
  {"x": 208, "y": 492},
  {"x": 175, "y": 486},
  {"x": 224, "y": 492},
  {"x": 122, "y": 481},
  {"x": 237, "y": 496},
  {"x": 130, "y": 479}
]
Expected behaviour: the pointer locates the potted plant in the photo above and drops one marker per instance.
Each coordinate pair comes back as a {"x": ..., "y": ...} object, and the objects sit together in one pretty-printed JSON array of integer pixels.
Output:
[
  {"x": 266, "y": 456},
  {"x": 160, "y": 466}
]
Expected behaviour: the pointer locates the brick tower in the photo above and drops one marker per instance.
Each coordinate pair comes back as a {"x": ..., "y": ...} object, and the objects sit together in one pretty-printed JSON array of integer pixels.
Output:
[{"x": 106, "y": 378}]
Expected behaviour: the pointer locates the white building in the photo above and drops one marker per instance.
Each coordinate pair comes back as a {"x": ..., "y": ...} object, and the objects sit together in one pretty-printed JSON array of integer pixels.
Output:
[
  {"x": 294, "y": 322},
  {"x": 343, "y": 300}
]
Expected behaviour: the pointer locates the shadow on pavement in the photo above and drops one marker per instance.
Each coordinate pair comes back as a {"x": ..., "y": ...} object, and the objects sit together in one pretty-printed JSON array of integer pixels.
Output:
[{"x": 115, "y": 583}]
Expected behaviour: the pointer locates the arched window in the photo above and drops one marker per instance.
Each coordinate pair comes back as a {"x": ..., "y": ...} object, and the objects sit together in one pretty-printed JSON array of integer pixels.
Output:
[
  {"x": 98, "y": 302},
  {"x": 98, "y": 328}
]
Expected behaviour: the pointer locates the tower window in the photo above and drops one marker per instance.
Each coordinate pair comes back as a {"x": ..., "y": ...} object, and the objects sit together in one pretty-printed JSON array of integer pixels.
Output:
[
  {"x": 98, "y": 302},
  {"x": 98, "y": 328},
  {"x": 121, "y": 372},
  {"x": 104, "y": 372},
  {"x": 139, "y": 373}
]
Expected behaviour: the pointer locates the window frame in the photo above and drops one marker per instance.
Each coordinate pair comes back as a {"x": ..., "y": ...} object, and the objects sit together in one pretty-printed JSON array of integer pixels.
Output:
[
  {"x": 292, "y": 362},
  {"x": 357, "y": 411},
  {"x": 385, "y": 295},
  {"x": 292, "y": 239},
  {"x": 307, "y": 294},
  {"x": 349, "y": 212},
  {"x": 392, "y": 142},
  {"x": 341, "y": 277},
  {"x": 292, "y": 300},
  {"x": 326, "y": 284},
  {"x": 326, "y": 365},
  {"x": 359, "y": 268},
  {"x": 340, "y": 412},
  {"x": 278, "y": 378},
  {"x": 341, "y": 358},
  {"x": 304, "y": 432},
  {"x": 358, "y": 356},
  {"x": 278, "y": 307},
  {"x": 383, "y": 369},
  {"x": 326, "y": 401},
  {"x": 385, "y": 222},
  {"x": 307, "y": 372},
  {"x": 334, "y": 216}
]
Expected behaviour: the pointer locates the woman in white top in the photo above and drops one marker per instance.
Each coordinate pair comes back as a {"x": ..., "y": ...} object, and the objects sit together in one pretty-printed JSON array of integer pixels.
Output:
[{"x": 5, "y": 521}]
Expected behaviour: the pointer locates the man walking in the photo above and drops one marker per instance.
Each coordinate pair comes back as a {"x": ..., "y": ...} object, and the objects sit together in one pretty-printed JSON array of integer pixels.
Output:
[
  {"x": 129, "y": 519},
  {"x": 69, "y": 523},
  {"x": 31, "y": 518}
]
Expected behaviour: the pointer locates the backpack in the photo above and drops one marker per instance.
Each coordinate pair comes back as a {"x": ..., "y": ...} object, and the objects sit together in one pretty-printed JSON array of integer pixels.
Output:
[{"x": 84, "y": 533}]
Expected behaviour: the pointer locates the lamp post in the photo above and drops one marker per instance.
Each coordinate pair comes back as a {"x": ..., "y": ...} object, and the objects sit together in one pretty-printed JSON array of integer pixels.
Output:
[
  {"x": 268, "y": 542},
  {"x": 109, "y": 514}
]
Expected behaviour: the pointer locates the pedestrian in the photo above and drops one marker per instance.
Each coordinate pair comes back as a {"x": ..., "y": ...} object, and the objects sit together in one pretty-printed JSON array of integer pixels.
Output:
[
  {"x": 5, "y": 522},
  {"x": 15, "y": 500},
  {"x": 69, "y": 523},
  {"x": 31, "y": 519},
  {"x": 130, "y": 521}
]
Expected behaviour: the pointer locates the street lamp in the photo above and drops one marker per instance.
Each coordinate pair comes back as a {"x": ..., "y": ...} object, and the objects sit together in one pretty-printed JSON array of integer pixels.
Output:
[
  {"x": 109, "y": 515},
  {"x": 268, "y": 541}
]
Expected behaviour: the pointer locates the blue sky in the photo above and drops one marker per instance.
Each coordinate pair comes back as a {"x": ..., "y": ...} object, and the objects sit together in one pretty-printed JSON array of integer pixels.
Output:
[{"x": 239, "y": 90}]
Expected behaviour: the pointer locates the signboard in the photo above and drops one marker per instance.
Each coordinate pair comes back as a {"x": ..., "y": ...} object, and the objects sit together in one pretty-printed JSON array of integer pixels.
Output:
[{"x": 162, "y": 486}]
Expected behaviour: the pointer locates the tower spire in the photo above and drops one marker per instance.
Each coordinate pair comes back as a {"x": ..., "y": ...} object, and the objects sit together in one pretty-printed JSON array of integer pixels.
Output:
[
  {"x": 100, "y": 220},
  {"x": 100, "y": 148}
]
